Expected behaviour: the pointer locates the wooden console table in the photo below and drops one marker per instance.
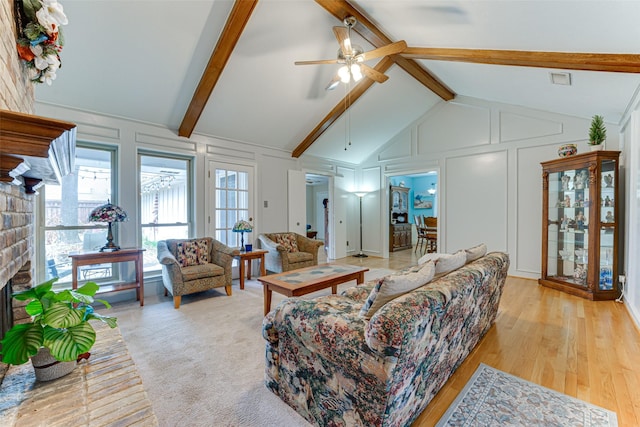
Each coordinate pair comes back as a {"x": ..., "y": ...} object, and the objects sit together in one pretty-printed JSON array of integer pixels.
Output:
[
  {"x": 123, "y": 255},
  {"x": 248, "y": 256}
]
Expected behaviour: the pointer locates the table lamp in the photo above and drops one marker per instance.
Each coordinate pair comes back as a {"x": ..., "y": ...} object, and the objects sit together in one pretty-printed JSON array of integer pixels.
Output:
[
  {"x": 242, "y": 227},
  {"x": 108, "y": 213}
]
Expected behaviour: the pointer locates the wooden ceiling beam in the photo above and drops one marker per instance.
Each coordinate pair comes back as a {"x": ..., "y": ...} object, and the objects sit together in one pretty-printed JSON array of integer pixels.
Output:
[
  {"x": 340, "y": 108},
  {"x": 611, "y": 62},
  {"x": 237, "y": 21},
  {"x": 374, "y": 35}
]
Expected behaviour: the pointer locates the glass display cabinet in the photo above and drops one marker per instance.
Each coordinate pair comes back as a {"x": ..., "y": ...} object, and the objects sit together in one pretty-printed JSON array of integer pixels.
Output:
[
  {"x": 400, "y": 228},
  {"x": 581, "y": 216}
]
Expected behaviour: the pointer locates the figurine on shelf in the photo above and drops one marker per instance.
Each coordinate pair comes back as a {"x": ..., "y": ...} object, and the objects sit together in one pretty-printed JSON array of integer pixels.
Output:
[
  {"x": 609, "y": 217},
  {"x": 571, "y": 223},
  {"x": 608, "y": 202},
  {"x": 580, "y": 219},
  {"x": 566, "y": 179},
  {"x": 563, "y": 223},
  {"x": 579, "y": 202},
  {"x": 567, "y": 201},
  {"x": 580, "y": 180},
  {"x": 608, "y": 181}
]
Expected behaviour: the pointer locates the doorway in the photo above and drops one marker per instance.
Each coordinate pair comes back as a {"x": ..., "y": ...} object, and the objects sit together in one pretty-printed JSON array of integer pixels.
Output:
[
  {"x": 423, "y": 201},
  {"x": 317, "y": 224}
]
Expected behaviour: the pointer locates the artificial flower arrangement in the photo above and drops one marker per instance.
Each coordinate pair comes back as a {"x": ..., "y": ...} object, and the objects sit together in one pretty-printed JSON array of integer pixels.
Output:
[{"x": 40, "y": 40}]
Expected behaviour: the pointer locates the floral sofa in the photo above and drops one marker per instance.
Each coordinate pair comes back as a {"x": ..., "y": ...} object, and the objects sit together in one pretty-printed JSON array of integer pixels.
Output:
[{"x": 336, "y": 368}]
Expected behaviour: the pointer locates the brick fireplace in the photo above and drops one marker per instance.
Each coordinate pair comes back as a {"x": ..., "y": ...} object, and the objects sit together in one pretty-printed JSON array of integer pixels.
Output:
[{"x": 16, "y": 208}]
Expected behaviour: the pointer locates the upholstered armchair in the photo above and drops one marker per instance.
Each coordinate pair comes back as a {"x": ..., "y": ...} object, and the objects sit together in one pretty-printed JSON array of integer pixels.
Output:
[
  {"x": 289, "y": 251},
  {"x": 194, "y": 265}
]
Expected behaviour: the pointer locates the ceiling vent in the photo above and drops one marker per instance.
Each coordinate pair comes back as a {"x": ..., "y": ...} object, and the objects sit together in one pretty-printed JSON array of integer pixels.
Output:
[{"x": 561, "y": 78}]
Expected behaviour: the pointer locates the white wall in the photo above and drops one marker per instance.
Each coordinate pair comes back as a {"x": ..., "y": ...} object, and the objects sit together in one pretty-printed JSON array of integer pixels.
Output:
[
  {"x": 489, "y": 158},
  {"x": 631, "y": 167}
]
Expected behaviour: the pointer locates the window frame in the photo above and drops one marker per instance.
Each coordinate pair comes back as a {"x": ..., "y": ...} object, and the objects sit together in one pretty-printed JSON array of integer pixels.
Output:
[
  {"x": 40, "y": 257},
  {"x": 190, "y": 194}
]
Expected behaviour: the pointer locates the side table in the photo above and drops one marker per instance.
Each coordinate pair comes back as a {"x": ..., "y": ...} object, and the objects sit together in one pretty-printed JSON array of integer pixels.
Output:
[
  {"x": 123, "y": 255},
  {"x": 248, "y": 256}
]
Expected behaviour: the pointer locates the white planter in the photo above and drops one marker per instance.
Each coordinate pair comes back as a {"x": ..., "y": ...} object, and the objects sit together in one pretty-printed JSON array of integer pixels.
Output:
[
  {"x": 598, "y": 147},
  {"x": 47, "y": 368}
]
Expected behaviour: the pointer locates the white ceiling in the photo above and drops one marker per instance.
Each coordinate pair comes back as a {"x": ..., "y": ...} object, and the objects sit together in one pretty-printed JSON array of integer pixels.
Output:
[{"x": 143, "y": 60}]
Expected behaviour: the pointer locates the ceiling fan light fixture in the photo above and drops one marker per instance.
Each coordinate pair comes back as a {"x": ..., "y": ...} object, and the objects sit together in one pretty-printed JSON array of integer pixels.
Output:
[
  {"x": 356, "y": 72},
  {"x": 343, "y": 72}
]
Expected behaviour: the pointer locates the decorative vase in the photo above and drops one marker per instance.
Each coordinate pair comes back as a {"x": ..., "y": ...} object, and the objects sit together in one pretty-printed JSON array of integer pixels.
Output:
[
  {"x": 47, "y": 368},
  {"x": 567, "y": 150}
]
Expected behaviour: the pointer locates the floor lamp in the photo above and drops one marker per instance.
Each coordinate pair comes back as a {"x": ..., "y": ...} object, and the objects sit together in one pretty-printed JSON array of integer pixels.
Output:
[{"x": 360, "y": 195}]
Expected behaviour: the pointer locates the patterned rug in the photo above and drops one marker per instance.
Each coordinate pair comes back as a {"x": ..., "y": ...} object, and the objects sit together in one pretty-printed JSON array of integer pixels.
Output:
[{"x": 495, "y": 398}]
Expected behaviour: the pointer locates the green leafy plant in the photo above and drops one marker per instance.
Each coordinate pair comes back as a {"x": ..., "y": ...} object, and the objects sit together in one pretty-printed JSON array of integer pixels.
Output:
[
  {"x": 59, "y": 322},
  {"x": 597, "y": 132}
]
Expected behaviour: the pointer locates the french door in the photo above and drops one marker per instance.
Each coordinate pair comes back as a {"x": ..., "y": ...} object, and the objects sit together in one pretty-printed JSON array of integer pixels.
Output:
[{"x": 231, "y": 196}]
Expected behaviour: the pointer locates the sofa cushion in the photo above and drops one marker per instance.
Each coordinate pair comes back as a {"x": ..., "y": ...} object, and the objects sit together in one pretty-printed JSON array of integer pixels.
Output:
[
  {"x": 476, "y": 252},
  {"x": 201, "y": 271},
  {"x": 395, "y": 285},
  {"x": 288, "y": 241},
  {"x": 192, "y": 252},
  {"x": 445, "y": 263},
  {"x": 295, "y": 257}
]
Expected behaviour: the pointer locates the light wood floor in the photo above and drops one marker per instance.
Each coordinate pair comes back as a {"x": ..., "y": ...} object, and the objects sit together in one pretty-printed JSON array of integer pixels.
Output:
[{"x": 589, "y": 350}]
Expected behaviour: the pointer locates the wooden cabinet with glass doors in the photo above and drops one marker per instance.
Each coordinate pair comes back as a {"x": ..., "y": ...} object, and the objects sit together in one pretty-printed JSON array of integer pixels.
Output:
[{"x": 580, "y": 225}]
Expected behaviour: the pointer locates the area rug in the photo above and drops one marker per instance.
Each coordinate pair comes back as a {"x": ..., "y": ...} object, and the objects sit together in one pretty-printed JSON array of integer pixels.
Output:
[
  {"x": 495, "y": 398},
  {"x": 204, "y": 363}
]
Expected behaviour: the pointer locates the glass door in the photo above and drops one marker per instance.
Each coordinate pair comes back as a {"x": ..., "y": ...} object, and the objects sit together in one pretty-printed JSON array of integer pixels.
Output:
[
  {"x": 231, "y": 198},
  {"x": 568, "y": 220},
  {"x": 608, "y": 215}
]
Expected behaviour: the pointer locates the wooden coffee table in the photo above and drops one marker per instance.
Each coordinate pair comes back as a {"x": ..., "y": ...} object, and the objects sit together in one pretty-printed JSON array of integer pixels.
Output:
[{"x": 303, "y": 281}]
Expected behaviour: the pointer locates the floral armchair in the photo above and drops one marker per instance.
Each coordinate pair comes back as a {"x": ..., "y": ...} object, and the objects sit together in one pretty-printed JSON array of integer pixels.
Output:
[
  {"x": 194, "y": 265},
  {"x": 289, "y": 251}
]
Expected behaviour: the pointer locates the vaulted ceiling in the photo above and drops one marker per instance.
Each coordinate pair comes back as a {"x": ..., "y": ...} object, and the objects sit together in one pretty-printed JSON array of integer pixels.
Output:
[{"x": 226, "y": 69}]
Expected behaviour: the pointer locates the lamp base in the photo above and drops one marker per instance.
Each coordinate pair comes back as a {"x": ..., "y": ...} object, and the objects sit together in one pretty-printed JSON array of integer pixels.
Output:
[
  {"x": 110, "y": 246},
  {"x": 361, "y": 255}
]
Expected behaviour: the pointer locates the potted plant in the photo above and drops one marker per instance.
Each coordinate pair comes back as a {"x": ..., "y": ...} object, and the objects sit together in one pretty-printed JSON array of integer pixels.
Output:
[
  {"x": 59, "y": 328},
  {"x": 597, "y": 132}
]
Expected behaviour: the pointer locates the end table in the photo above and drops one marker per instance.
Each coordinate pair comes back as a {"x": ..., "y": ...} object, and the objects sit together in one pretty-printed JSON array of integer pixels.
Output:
[{"x": 248, "y": 256}]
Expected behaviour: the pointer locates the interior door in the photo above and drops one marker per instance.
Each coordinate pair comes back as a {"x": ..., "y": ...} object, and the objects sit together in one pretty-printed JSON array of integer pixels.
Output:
[
  {"x": 297, "y": 201},
  {"x": 338, "y": 224}
]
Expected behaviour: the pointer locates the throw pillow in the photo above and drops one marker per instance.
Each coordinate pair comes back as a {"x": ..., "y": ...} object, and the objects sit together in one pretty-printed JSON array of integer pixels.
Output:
[
  {"x": 288, "y": 241},
  {"x": 395, "y": 285},
  {"x": 476, "y": 252},
  {"x": 446, "y": 263},
  {"x": 192, "y": 252}
]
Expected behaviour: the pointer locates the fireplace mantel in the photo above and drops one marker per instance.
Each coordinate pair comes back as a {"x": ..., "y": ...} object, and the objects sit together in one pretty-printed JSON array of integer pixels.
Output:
[{"x": 35, "y": 150}]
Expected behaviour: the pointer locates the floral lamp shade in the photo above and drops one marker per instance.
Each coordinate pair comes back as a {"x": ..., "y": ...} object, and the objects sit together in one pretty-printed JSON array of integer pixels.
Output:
[
  {"x": 242, "y": 227},
  {"x": 108, "y": 213}
]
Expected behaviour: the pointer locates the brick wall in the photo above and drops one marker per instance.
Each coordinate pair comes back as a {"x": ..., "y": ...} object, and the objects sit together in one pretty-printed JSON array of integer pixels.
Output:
[
  {"x": 17, "y": 93},
  {"x": 16, "y": 208}
]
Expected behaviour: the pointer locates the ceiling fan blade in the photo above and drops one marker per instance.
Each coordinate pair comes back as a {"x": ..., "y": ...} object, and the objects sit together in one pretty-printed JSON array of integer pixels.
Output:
[
  {"x": 342, "y": 35},
  {"x": 612, "y": 62},
  {"x": 335, "y": 81},
  {"x": 373, "y": 74},
  {"x": 319, "y": 61},
  {"x": 390, "y": 49}
]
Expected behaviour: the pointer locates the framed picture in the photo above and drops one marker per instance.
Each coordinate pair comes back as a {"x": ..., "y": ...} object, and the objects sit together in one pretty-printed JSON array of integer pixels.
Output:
[{"x": 423, "y": 201}]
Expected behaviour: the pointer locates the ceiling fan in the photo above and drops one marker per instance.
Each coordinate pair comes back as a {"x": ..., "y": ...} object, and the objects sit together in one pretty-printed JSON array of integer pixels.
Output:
[{"x": 354, "y": 56}]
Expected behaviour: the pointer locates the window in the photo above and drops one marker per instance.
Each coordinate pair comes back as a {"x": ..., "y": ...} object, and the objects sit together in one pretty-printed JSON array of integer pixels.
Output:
[
  {"x": 66, "y": 211},
  {"x": 165, "y": 202}
]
